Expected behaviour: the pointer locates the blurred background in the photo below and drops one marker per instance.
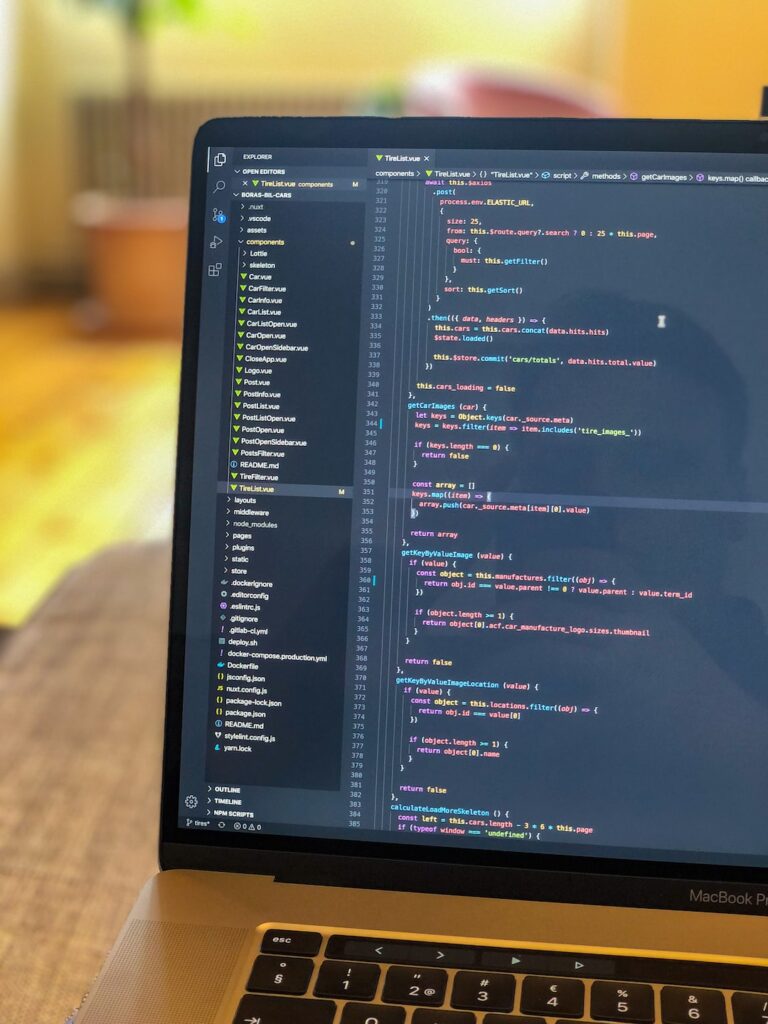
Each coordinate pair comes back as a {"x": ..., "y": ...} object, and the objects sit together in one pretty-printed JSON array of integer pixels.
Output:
[{"x": 99, "y": 101}]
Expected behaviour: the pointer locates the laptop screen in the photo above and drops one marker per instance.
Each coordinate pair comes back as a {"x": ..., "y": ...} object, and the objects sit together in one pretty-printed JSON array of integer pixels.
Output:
[{"x": 478, "y": 549}]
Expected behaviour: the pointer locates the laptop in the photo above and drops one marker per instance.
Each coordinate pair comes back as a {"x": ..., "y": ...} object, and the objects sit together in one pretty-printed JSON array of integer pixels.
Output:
[{"x": 467, "y": 715}]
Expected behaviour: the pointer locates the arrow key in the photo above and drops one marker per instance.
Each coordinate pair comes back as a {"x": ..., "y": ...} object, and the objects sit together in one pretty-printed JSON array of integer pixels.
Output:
[
  {"x": 350, "y": 947},
  {"x": 442, "y": 956},
  {"x": 501, "y": 960}
]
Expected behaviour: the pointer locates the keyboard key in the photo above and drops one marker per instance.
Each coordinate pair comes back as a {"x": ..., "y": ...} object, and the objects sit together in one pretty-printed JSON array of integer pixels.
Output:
[
  {"x": 417, "y": 985},
  {"x": 692, "y": 1006},
  {"x": 539, "y": 963},
  {"x": 349, "y": 947},
  {"x": 282, "y": 1010},
  {"x": 554, "y": 997},
  {"x": 473, "y": 990},
  {"x": 750, "y": 1008},
  {"x": 505, "y": 960},
  {"x": 442, "y": 1017},
  {"x": 561, "y": 964},
  {"x": 347, "y": 981},
  {"x": 295, "y": 943},
  {"x": 509, "y": 1018},
  {"x": 361, "y": 1013},
  {"x": 618, "y": 1001},
  {"x": 445, "y": 956},
  {"x": 280, "y": 974}
]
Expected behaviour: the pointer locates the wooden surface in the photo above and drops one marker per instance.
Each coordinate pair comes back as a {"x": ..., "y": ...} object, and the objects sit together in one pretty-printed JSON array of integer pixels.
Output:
[
  {"x": 87, "y": 444},
  {"x": 81, "y": 709}
]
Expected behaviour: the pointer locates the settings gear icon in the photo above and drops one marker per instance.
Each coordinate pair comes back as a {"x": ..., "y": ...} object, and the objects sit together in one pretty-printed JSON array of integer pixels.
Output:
[{"x": 190, "y": 802}]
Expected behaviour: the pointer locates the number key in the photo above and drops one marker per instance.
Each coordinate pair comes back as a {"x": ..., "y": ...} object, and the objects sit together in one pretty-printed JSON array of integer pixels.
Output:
[
  {"x": 280, "y": 974},
  {"x": 553, "y": 997},
  {"x": 612, "y": 1001},
  {"x": 473, "y": 990},
  {"x": 342, "y": 980},
  {"x": 423, "y": 986},
  {"x": 692, "y": 1006},
  {"x": 750, "y": 1008}
]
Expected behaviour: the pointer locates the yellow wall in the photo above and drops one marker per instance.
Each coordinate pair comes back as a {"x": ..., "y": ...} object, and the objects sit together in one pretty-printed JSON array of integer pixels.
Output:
[
  {"x": 694, "y": 58},
  {"x": 8, "y": 222},
  {"x": 44, "y": 148},
  {"x": 241, "y": 47},
  {"x": 666, "y": 58},
  {"x": 355, "y": 44}
]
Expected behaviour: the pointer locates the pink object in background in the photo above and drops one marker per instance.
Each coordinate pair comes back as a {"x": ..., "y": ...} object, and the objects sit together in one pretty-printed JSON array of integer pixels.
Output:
[{"x": 463, "y": 92}]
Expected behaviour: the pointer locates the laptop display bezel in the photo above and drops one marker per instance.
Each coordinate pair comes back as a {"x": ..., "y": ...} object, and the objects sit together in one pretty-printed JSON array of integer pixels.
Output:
[{"x": 542, "y": 876}]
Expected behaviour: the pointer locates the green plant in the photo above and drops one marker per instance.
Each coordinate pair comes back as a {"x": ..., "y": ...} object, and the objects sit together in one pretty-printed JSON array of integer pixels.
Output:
[{"x": 138, "y": 19}]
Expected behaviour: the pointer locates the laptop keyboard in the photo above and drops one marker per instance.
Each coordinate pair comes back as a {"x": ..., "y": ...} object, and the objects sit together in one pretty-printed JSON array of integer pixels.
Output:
[{"x": 304, "y": 977}]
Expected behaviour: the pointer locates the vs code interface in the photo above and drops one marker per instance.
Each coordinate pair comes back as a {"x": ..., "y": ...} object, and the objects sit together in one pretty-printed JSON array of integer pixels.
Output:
[{"x": 479, "y": 533}]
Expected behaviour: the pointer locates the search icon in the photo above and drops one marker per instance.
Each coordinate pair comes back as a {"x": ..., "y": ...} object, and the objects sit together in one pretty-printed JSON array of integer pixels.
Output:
[{"x": 219, "y": 185}]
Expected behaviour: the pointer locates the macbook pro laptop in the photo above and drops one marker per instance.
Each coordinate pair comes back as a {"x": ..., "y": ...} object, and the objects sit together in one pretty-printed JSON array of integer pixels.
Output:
[{"x": 467, "y": 714}]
